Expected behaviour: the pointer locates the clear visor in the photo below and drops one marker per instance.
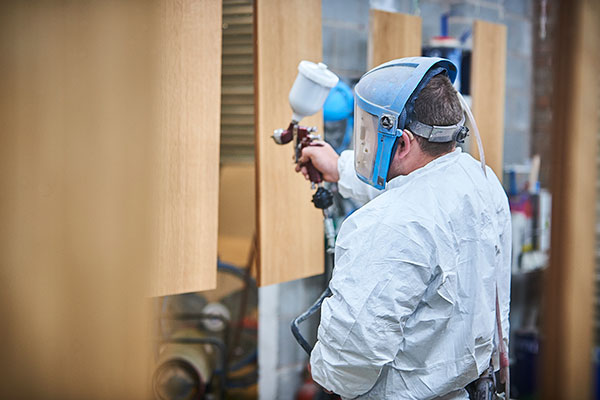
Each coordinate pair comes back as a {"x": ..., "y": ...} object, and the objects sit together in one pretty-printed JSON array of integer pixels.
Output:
[{"x": 365, "y": 142}]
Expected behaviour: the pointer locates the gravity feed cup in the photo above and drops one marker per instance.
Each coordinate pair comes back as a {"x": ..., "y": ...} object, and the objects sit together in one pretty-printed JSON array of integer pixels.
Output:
[{"x": 312, "y": 85}]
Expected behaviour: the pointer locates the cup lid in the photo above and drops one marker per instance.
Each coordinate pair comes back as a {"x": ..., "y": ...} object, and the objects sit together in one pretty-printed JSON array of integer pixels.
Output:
[{"x": 318, "y": 73}]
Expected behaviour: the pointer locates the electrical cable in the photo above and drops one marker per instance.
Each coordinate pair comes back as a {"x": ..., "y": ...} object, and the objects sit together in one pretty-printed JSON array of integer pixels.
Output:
[
  {"x": 304, "y": 316},
  {"x": 295, "y": 325}
]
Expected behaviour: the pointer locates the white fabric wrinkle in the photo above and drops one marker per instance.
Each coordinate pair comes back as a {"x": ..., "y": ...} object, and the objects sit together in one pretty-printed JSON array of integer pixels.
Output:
[{"x": 412, "y": 310}]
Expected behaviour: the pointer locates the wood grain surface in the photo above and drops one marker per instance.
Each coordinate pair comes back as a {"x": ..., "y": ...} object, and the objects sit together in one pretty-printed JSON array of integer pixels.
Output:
[
  {"x": 392, "y": 35},
  {"x": 237, "y": 213},
  {"x": 290, "y": 228},
  {"x": 570, "y": 290},
  {"x": 78, "y": 134},
  {"x": 189, "y": 146},
  {"x": 488, "y": 77}
]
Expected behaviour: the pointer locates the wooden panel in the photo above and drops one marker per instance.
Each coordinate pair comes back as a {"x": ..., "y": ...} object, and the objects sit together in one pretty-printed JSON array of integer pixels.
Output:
[
  {"x": 237, "y": 200},
  {"x": 393, "y": 35},
  {"x": 569, "y": 290},
  {"x": 189, "y": 146},
  {"x": 488, "y": 76},
  {"x": 290, "y": 228},
  {"x": 77, "y": 135},
  {"x": 237, "y": 212}
]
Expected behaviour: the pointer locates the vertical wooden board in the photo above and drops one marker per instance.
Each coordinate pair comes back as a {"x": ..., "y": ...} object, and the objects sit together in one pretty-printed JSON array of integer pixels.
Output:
[
  {"x": 189, "y": 146},
  {"x": 569, "y": 287},
  {"x": 237, "y": 224},
  {"x": 290, "y": 228},
  {"x": 237, "y": 200},
  {"x": 391, "y": 36},
  {"x": 237, "y": 213},
  {"x": 488, "y": 77},
  {"x": 78, "y": 130}
]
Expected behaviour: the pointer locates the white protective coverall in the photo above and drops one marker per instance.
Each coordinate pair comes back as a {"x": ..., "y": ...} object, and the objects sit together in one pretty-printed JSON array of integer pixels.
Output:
[{"x": 412, "y": 315}]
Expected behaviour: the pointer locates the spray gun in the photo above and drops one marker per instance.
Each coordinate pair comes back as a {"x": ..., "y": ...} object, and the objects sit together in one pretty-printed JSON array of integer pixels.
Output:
[{"x": 308, "y": 94}]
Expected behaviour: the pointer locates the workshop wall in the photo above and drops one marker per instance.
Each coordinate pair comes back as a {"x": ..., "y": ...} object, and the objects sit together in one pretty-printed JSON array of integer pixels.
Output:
[
  {"x": 345, "y": 33},
  {"x": 282, "y": 361}
]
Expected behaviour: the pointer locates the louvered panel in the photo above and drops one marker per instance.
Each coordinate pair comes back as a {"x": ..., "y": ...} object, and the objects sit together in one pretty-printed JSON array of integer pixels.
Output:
[
  {"x": 229, "y": 3},
  {"x": 236, "y": 90},
  {"x": 239, "y": 39},
  {"x": 232, "y": 30},
  {"x": 236, "y": 50},
  {"x": 237, "y": 19},
  {"x": 235, "y": 9},
  {"x": 234, "y": 120},
  {"x": 236, "y": 154},
  {"x": 240, "y": 69},
  {"x": 237, "y": 141},
  {"x": 242, "y": 109},
  {"x": 235, "y": 80},
  {"x": 237, "y": 59},
  {"x": 237, "y": 133},
  {"x": 237, "y": 101}
]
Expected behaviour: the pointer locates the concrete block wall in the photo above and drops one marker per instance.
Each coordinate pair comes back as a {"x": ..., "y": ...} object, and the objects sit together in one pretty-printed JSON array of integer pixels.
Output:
[
  {"x": 519, "y": 82},
  {"x": 281, "y": 360},
  {"x": 345, "y": 35}
]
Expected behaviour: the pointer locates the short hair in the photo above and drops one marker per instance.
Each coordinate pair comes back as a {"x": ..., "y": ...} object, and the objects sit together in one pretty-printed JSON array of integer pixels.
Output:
[{"x": 437, "y": 104}]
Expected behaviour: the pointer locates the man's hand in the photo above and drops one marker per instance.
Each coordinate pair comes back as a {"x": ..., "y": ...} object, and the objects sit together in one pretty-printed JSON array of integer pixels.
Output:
[{"x": 323, "y": 157}]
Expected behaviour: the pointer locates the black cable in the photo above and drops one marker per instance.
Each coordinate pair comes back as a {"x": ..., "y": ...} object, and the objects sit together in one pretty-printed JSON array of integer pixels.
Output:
[{"x": 304, "y": 316}]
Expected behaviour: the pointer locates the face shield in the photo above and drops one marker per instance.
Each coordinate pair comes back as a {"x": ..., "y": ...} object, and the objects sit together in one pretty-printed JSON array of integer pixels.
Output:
[
  {"x": 365, "y": 142},
  {"x": 384, "y": 97}
]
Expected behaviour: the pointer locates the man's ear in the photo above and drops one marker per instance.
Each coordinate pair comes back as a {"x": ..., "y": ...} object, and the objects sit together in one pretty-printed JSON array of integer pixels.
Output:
[{"x": 405, "y": 142}]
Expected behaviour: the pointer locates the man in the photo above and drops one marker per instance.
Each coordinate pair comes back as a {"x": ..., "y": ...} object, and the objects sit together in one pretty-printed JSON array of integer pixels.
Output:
[{"x": 413, "y": 310}]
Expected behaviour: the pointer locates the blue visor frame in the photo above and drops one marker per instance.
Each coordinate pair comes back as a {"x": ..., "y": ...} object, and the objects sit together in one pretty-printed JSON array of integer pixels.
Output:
[{"x": 393, "y": 118}]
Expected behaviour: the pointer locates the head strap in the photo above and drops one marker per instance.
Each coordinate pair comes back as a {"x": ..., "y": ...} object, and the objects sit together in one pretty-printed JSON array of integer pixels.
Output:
[{"x": 440, "y": 134}]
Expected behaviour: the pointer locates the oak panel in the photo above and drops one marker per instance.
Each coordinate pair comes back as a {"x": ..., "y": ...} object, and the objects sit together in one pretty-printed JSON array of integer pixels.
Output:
[
  {"x": 569, "y": 298},
  {"x": 76, "y": 199},
  {"x": 189, "y": 146},
  {"x": 488, "y": 77},
  {"x": 391, "y": 36},
  {"x": 290, "y": 228}
]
